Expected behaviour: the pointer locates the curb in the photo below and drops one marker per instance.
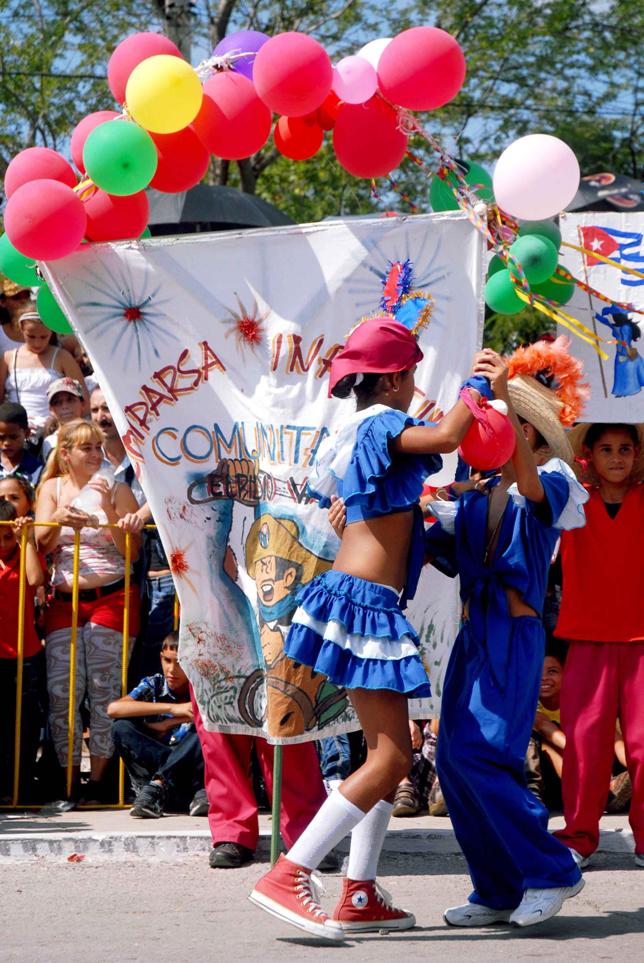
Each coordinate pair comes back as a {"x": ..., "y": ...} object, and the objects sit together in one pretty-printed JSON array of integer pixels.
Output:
[{"x": 170, "y": 845}]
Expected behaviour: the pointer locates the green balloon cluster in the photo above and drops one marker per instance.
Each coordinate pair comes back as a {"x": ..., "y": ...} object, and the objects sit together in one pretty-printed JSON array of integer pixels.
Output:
[
  {"x": 441, "y": 197},
  {"x": 50, "y": 312},
  {"x": 556, "y": 288},
  {"x": 500, "y": 294},
  {"x": 544, "y": 229},
  {"x": 17, "y": 267},
  {"x": 536, "y": 255},
  {"x": 120, "y": 157},
  {"x": 536, "y": 248}
]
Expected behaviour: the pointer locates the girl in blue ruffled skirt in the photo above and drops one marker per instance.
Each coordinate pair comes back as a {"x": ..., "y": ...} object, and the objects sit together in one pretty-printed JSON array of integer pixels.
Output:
[{"x": 350, "y": 624}]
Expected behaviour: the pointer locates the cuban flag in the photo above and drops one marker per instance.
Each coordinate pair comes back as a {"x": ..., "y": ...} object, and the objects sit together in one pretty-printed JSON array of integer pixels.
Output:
[{"x": 624, "y": 247}]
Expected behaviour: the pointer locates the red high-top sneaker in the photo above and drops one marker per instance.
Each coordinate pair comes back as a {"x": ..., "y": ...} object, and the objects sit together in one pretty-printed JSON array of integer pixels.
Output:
[
  {"x": 366, "y": 906},
  {"x": 287, "y": 892}
]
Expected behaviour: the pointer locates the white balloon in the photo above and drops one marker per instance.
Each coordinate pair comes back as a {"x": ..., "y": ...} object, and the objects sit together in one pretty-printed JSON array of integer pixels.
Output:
[
  {"x": 374, "y": 50},
  {"x": 536, "y": 177}
]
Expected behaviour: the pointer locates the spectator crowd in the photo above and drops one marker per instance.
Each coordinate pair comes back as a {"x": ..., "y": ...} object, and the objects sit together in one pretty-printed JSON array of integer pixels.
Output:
[{"x": 64, "y": 466}]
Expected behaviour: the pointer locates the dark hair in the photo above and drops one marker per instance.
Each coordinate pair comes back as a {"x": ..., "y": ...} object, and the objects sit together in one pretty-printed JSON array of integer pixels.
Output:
[
  {"x": 597, "y": 430},
  {"x": 540, "y": 441},
  {"x": 282, "y": 565},
  {"x": 7, "y": 511},
  {"x": 621, "y": 319},
  {"x": 171, "y": 642},
  {"x": 25, "y": 484},
  {"x": 362, "y": 391},
  {"x": 556, "y": 649},
  {"x": 14, "y": 414}
]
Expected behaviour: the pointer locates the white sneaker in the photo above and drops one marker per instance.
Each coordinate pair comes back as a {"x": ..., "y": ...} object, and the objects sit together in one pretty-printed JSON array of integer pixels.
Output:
[
  {"x": 538, "y": 905},
  {"x": 474, "y": 914},
  {"x": 582, "y": 861},
  {"x": 639, "y": 860}
]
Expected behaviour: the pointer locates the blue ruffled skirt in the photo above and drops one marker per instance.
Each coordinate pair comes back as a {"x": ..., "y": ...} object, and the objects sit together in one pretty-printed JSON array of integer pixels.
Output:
[{"x": 354, "y": 632}]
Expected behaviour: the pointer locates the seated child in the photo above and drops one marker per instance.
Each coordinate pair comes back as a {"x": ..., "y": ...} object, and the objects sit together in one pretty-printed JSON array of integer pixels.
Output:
[
  {"x": 33, "y": 658},
  {"x": 15, "y": 459},
  {"x": 154, "y": 734}
]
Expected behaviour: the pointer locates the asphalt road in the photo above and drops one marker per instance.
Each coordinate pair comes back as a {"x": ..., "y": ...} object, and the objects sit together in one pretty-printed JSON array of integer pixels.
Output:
[{"x": 180, "y": 911}]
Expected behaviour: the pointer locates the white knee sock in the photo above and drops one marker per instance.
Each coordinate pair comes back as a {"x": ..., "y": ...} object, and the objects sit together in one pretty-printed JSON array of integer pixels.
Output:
[
  {"x": 334, "y": 820},
  {"x": 367, "y": 840}
]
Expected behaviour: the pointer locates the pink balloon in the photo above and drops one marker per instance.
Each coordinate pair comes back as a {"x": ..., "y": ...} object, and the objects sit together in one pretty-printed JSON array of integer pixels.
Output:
[
  {"x": 129, "y": 54},
  {"x": 83, "y": 129},
  {"x": 354, "y": 80},
  {"x": 373, "y": 51},
  {"x": 536, "y": 177},
  {"x": 421, "y": 69},
  {"x": 45, "y": 220},
  {"x": 112, "y": 218},
  {"x": 36, "y": 163},
  {"x": 292, "y": 74},
  {"x": 241, "y": 122},
  {"x": 367, "y": 140}
]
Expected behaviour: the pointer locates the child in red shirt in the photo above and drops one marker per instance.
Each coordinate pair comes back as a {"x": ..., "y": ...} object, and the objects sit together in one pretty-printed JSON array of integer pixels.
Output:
[
  {"x": 32, "y": 650},
  {"x": 603, "y": 618}
]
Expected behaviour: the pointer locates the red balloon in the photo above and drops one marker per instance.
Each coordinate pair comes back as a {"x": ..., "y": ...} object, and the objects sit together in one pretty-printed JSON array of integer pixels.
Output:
[
  {"x": 183, "y": 161},
  {"x": 83, "y": 129},
  {"x": 241, "y": 122},
  {"x": 292, "y": 74},
  {"x": 489, "y": 441},
  {"x": 36, "y": 163},
  {"x": 45, "y": 220},
  {"x": 298, "y": 137},
  {"x": 205, "y": 123},
  {"x": 367, "y": 140},
  {"x": 129, "y": 54},
  {"x": 111, "y": 218},
  {"x": 327, "y": 112},
  {"x": 421, "y": 69}
]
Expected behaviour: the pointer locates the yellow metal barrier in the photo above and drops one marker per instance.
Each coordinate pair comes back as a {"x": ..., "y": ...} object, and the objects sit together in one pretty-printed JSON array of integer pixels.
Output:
[{"x": 20, "y": 646}]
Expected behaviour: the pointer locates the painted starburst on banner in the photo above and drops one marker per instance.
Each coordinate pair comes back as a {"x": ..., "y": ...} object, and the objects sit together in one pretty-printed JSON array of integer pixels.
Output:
[
  {"x": 247, "y": 324},
  {"x": 127, "y": 309},
  {"x": 180, "y": 566}
]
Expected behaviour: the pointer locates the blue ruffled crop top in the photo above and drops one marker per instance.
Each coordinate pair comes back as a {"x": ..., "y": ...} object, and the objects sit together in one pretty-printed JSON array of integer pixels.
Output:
[{"x": 356, "y": 463}]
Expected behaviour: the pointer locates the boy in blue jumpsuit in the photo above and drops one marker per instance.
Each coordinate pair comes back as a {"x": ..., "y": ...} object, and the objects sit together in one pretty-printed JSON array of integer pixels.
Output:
[{"x": 500, "y": 540}]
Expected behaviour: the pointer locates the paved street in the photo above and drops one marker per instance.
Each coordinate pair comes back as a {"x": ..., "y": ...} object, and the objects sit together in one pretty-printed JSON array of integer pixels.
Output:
[{"x": 171, "y": 911}]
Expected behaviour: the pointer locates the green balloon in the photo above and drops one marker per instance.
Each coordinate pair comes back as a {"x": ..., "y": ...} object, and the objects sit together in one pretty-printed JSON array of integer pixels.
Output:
[
  {"x": 496, "y": 264},
  {"x": 17, "y": 267},
  {"x": 536, "y": 255},
  {"x": 146, "y": 232},
  {"x": 557, "y": 289},
  {"x": 500, "y": 295},
  {"x": 50, "y": 312},
  {"x": 120, "y": 157},
  {"x": 545, "y": 228},
  {"x": 441, "y": 197}
]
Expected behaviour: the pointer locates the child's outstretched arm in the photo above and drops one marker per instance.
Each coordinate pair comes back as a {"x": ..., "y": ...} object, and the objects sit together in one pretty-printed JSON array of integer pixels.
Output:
[{"x": 492, "y": 366}]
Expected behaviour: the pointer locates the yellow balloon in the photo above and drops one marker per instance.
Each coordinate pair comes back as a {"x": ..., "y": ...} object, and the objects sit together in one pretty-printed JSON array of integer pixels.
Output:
[{"x": 163, "y": 94}]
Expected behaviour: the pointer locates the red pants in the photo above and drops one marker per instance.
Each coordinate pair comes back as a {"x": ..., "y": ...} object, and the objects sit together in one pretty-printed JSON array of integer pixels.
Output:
[
  {"x": 602, "y": 681},
  {"x": 233, "y": 807}
]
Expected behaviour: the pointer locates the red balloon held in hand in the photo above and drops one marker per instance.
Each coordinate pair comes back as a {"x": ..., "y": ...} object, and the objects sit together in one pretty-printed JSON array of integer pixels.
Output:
[
  {"x": 38, "y": 163},
  {"x": 489, "y": 441},
  {"x": 130, "y": 53},
  {"x": 112, "y": 218},
  {"x": 298, "y": 137},
  {"x": 183, "y": 161},
  {"x": 82, "y": 131},
  {"x": 421, "y": 69},
  {"x": 240, "y": 123},
  {"x": 292, "y": 74},
  {"x": 45, "y": 220},
  {"x": 367, "y": 139}
]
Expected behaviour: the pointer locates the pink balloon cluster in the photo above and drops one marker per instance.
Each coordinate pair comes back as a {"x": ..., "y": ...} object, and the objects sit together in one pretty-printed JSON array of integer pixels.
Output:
[{"x": 50, "y": 210}]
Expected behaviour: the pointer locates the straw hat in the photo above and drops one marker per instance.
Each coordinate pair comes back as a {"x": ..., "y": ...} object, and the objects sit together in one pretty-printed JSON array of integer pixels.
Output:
[
  {"x": 542, "y": 409},
  {"x": 585, "y": 473},
  {"x": 9, "y": 289}
]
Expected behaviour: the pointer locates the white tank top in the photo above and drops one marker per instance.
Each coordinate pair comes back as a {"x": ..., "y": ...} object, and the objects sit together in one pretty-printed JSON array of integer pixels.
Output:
[
  {"x": 28, "y": 387},
  {"x": 98, "y": 555}
]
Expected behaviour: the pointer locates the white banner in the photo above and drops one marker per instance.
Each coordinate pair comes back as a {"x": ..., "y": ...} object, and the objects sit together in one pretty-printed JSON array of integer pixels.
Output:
[
  {"x": 213, "y": 352},
  {"x": 616, "y": 384}
]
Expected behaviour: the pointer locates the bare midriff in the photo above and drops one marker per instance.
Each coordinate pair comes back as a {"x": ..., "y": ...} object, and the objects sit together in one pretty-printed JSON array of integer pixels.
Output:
[
  {"x": 516, "y": 606},
  {"x": 377, "y": 549}
]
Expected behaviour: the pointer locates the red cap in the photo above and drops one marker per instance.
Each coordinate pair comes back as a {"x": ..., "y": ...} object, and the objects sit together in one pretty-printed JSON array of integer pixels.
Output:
[{"x": 379, "y": 345}]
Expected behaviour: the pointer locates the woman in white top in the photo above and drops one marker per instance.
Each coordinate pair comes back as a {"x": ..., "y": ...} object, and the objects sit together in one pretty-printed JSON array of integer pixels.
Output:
[
  {"x": 72, "y": 494},
  {"x": 27, "y": 371}
]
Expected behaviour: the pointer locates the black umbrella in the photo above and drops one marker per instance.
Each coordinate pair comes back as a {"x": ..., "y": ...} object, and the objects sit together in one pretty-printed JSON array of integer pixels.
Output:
[
  {"x": 210, "y": 208},
  {"x": 608, "y": 192}
]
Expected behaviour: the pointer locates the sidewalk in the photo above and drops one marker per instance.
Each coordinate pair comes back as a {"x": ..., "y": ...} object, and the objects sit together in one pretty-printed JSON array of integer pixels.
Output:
[{"x": 114, "y": 834}]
